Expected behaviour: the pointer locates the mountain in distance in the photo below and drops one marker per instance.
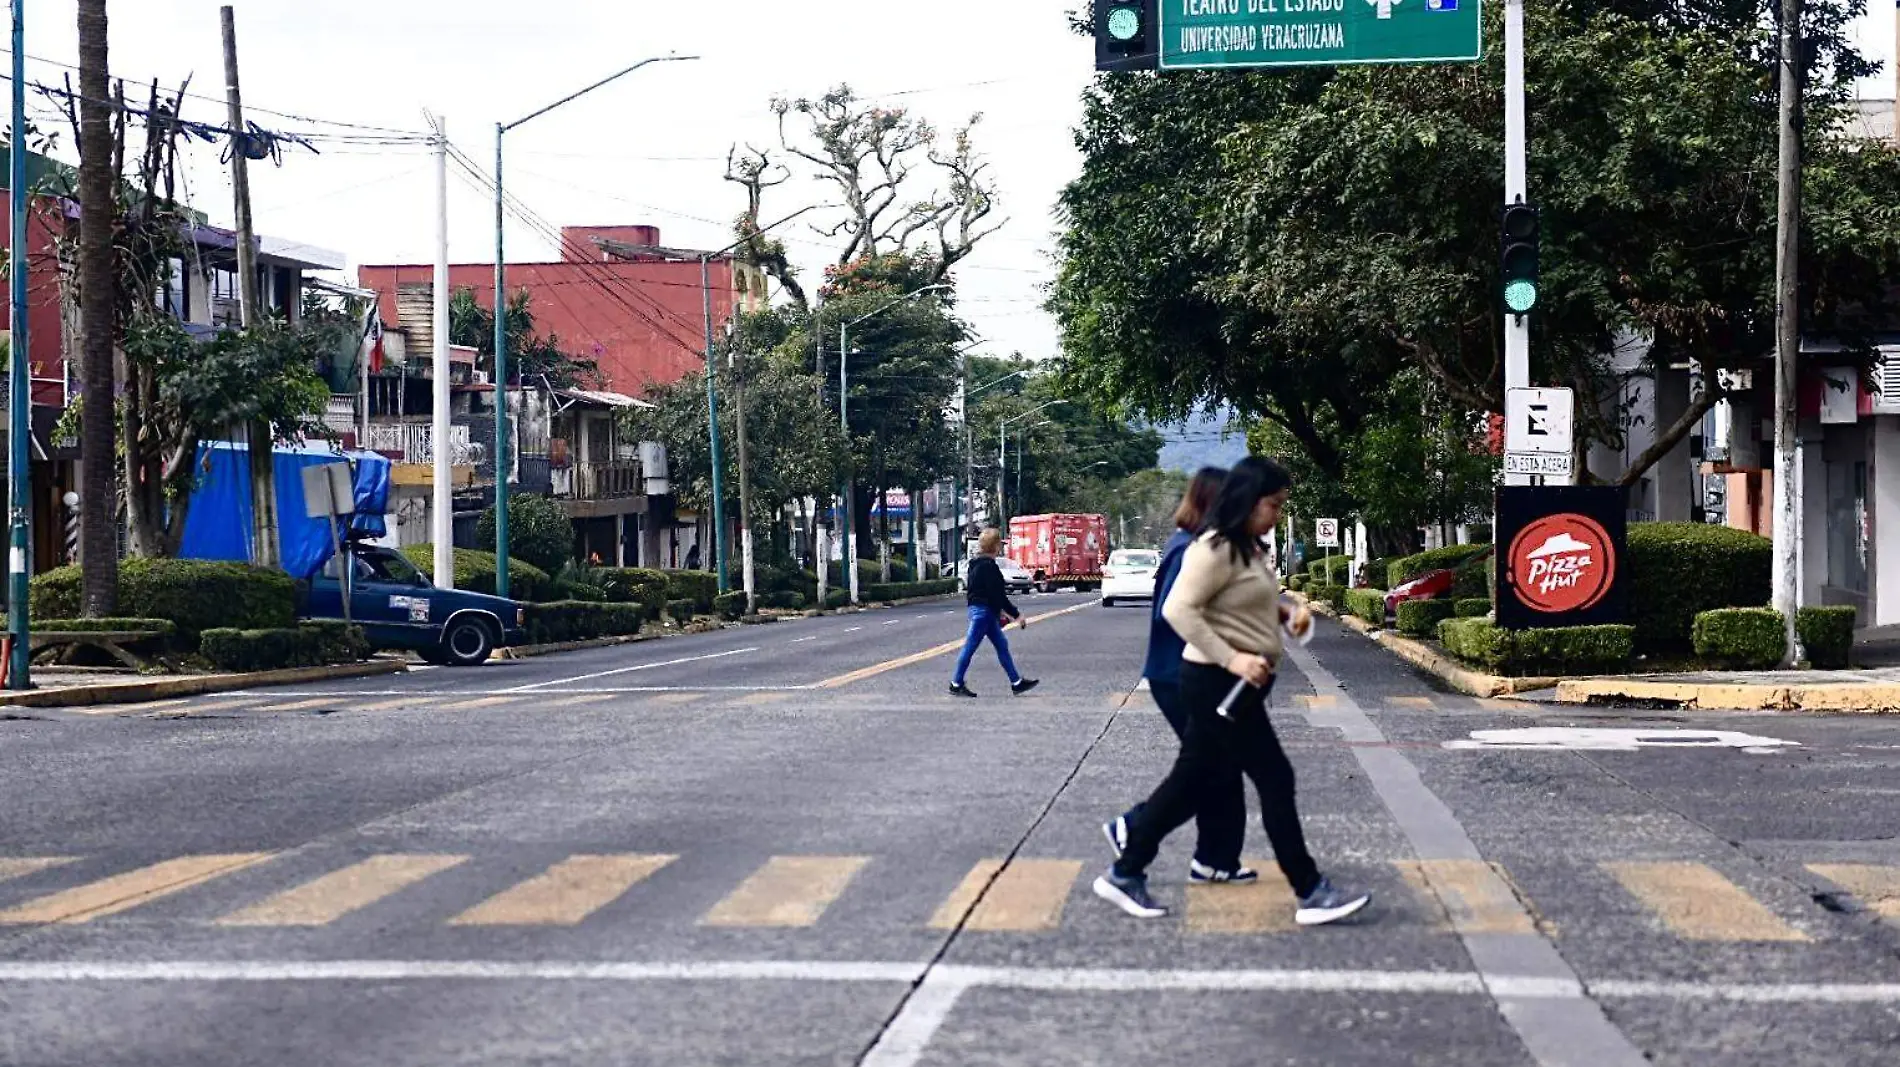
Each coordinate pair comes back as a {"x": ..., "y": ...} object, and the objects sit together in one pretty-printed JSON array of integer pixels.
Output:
[{"x": 1204, "y": 440}]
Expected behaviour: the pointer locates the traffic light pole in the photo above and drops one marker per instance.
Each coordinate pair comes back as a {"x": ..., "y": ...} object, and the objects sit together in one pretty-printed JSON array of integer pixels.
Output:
[{"x": 1517, "y": 328}]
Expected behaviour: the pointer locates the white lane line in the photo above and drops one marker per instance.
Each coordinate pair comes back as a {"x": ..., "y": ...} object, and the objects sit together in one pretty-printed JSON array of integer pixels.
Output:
[
  {"x": 908, "y": 1034},
  {"x": 802, "y": 640},
  {"x": 892, "y": 622},
  {"x": 629, "y": 670},
  {"x": 947, "y": 979},
  {"x": 852, "y": 629}
]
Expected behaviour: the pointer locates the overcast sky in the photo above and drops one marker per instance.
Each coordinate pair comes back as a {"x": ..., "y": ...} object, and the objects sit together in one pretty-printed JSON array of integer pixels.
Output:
[{"x": 648, "y": 149}]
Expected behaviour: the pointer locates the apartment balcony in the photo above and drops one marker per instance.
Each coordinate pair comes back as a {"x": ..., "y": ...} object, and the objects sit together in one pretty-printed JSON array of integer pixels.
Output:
[
  {"x": 414, "y": 442},
  {"x": 598, "y": 481}
]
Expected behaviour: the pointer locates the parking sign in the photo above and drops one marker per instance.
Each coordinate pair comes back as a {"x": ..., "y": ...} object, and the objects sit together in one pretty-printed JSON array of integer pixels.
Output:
[{"x": 1326, "y": 532}]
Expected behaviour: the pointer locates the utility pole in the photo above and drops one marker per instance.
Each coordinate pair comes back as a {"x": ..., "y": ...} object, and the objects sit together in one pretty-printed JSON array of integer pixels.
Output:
[
  {"x": 1517, "y": 328},
  {"x": 1787, "y": 551},
  {"x": 745, "y": 484},
  {"x": 264, "y": 546},
  {"x": 502, "y": 543},
  {"x": 442, "y": 501},
  {"x": 19, "y": 383}
]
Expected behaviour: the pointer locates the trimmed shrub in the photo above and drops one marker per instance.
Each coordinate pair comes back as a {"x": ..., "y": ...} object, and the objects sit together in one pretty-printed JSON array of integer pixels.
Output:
[
  {"x": 681, "y": 611},
  {"x": 165, "y": 627},
  {"x": 1472, "y": 608},
  {"x": 1749, "y": 639},
  {"x": 1331, "y": 570},
  {"x": 1331, "y": 594},
  {"x": 1406, "y": 568},
  {"x": 1420, "y": 618},
  {"x": 278, "y": 648},
  {"x": 1569, "y": 650},
  {"x": 1297, "y": 583},
  {"x": 339, "y": 641},
  {"x": 1678, "y": 570},
  {"x": 475, "y": 572},
  {"x": 582, "y": 620},
  {"x": 633, "y": 585},
  {"x": 836, "y": 598},
  {"x": 1368, "y": 604},
  {"x": 539, "y": 531},
  {"x": 194, "y": 594},
  {"x": 1828, "y": 636},
  {"x": 880, "y": 594},
  {"x": 1375, "y": 570},
  {"x": 697, "y": 586},
  {"x": 731, "y": 605},
  {"x": 785, "y": 600}
]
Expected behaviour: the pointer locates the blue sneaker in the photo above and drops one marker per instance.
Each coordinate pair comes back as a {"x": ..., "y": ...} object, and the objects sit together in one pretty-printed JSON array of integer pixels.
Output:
[
  {"x": 1201, "y": 874},
  {"x": 1328, "y": 903},
  {"x": 1116, "y": 830},
  {"x": 1130, "y": 894}
]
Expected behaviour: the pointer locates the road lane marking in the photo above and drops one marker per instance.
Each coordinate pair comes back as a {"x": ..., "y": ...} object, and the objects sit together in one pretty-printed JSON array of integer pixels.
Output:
[
  {"x": 629, "y": 670},
  {"x": 754, "y": 700},
  {"x": 1697, "y": 903},
  {"x": 1262, "y": 907},
  {"x": 1026, "y": 895},
  {"x": 122, "y": 892},
  {"x": 787, "y": 891},
  {"x": 565, "y": 893},
  {"x": 479, "y": 702},
  {"x": 927, "y": 654},
  {"x": 852, "y": 629},
  {"x": 334, "y": 895},
  {"x": 20, "y": 866},
  {"x": 892, "y": 622},
  {"x": 387, "y": 705},
  {"x": 802, "y": 640},
  {"x": 1878, "y": 888},
  {"x": 1476, "y": 896},
  {"x": 678, "y": 698},
  {"x": 582, "y": 700},
  {"x": 1315, "y": 702},
  {"x": 301, "y": 705},
  {"x": 1412, "y": 703}
]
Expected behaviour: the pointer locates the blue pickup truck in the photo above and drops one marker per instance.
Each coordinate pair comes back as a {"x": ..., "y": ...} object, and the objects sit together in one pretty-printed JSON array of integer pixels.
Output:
[{"x": 399, "y": 608}]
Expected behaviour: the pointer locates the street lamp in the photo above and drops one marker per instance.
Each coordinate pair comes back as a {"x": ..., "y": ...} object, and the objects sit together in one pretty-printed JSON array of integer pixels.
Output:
[
  {"x": 844, "y": 421},
  {"x": 969, "y": 446},
  {"x": 501, "y": 322},
  {"x": 1002, "y": 454}
]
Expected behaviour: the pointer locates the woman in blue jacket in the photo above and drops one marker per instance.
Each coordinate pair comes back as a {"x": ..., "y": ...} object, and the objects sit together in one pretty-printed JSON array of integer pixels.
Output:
[{"x": 1221, "y": 825}]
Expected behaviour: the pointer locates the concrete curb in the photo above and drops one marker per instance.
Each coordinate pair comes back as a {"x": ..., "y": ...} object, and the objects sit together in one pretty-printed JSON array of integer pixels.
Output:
[
  {"x": 531, "y": 651},
  {"x": 1883, "y": 698},
  {"x": 80, "y": 696}
]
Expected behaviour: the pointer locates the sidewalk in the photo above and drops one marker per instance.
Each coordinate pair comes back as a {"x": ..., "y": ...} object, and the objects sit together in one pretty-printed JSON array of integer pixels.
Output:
[
  {"x": 1872, "y": 690},
  {"x": 54, "y": 687}
]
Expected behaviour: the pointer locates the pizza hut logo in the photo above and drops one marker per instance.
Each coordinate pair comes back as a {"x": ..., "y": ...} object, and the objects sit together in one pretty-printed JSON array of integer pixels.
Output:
[{"x": 1562, "y": 563}]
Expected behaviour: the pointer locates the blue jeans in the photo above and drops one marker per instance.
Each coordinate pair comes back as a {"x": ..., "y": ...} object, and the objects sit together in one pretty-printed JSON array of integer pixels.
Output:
[{"x": 985, "y": 624}]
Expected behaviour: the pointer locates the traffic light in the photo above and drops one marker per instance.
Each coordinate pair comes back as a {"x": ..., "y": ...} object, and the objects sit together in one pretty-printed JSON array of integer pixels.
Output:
[
  {"x": 1126, "y": 35},
  {"x": 1520, "y": 237}
]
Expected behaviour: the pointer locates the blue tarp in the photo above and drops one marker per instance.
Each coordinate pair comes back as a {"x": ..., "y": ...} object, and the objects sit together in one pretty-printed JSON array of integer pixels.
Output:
[
  {"x": 219, "y": 525},
  {"x": 372, "y": 496}
]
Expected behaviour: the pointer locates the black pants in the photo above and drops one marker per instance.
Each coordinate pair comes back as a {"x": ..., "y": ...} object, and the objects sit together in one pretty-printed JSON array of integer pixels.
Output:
[
  {"x": 1221, "y": 823},
  {"x": 1214, "y": 754}
]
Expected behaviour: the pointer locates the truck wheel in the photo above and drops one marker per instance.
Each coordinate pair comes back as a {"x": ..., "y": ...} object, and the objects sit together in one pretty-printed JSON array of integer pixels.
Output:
[
  {"x": 1108, "y": 601},
  {"x": 466, "y": 643}
]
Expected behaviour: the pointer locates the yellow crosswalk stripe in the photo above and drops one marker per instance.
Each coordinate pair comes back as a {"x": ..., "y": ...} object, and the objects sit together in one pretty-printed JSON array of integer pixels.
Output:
[
  {"x": 565, "y": 893},
  {"x": 483, "y": 702},
  {"x": 326, "y": 899},
  {"x": 122, "y": 892},
  {"x": 582, "y": 701},
  {"x": 21, "y": 866},
  {"x": 1476, "y": 896},
  {"x": 678, "y": 698},
  {"x": 1877, "y": 887},
  {"x": 305, "y": 705},
  {"x": 1027, "y": 895},
  {"x": 1261, "y": 907},
  {"x": 1490, "y": 704},
  {"x": 1699, "y": 904},
  {"x": 1412, "y": 703},
  {"x": 787, "y": 891},
  {"x": 1312, "y": 702},
  {"x": 757, "y": 699}
]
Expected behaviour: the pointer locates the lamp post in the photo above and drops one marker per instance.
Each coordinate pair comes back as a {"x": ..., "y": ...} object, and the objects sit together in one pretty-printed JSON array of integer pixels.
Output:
[
  {"x": 501, "y": 321},
  {"x": 1002, "y": 456},
  {"x": 969, "y": 445},
  {"x": 844, "y": 421},
  {"x": 20, "y": 398}
]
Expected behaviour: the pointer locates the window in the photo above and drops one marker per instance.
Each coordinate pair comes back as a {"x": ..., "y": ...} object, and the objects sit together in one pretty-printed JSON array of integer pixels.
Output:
[{"x": 388, "y": 568}]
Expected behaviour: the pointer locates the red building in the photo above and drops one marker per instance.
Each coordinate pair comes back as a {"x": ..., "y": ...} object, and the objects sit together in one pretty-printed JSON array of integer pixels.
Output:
[{"x": 642, "y": 321}]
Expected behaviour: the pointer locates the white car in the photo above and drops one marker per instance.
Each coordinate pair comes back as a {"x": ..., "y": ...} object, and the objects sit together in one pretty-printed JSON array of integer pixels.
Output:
[
  {"x": 1016, "y": 578},
  {"x": 1129, "y": 575}
]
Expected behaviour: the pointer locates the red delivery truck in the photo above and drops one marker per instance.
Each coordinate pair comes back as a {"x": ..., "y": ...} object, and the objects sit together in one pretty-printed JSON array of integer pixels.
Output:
[{"x": 1060, "y": 549}]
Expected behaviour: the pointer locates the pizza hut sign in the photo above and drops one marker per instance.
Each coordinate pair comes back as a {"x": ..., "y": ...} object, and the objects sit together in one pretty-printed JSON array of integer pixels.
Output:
[{"x": 1563, "y": 554}]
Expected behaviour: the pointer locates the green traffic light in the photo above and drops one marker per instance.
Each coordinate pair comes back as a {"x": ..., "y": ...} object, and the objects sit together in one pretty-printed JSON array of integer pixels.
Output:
[
  {"x": 1124, "y": 23},
  {"x": 1520, "y": 296}
]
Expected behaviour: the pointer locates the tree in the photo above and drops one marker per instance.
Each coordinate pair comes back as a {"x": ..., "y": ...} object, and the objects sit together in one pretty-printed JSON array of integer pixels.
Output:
[
  {"x": 1074, "y": 451},
  {"x": 1140, "y": 507},
  {"x": 530, "y": 355},
  {"x": 539, "y": 531},
  {"x": 98, "y": 213}
]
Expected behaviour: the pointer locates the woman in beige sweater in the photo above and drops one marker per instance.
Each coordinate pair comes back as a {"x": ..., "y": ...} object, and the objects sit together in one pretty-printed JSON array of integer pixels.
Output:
[{"x": 1226, "y": 606}]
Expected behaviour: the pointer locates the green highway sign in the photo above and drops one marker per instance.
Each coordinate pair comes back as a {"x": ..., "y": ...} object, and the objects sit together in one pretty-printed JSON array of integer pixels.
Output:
[{"x": 1294, "y": 33}]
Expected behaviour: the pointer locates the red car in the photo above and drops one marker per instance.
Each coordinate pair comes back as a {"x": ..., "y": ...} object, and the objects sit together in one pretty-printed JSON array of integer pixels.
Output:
[{"x": 1431, "y": 585}]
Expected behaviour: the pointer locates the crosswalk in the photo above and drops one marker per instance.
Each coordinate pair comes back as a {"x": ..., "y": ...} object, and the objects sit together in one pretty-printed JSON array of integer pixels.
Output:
[{"x": 1689, "y": 901}]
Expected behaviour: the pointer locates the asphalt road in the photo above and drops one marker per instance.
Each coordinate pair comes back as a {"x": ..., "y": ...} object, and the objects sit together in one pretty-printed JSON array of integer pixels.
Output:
[{"x": 785, "y": 845}]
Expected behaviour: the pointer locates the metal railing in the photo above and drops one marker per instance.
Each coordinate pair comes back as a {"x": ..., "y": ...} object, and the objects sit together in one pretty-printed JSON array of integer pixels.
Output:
[{"x": 415, "y": 442}]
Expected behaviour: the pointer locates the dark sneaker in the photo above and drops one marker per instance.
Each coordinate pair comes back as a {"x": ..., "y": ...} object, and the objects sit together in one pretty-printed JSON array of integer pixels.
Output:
[
  {"x": 1023, "y": 685},
  {"x": 1328, "y": 903},
  {"x": 1129, "y": 894},
  {"x": 1201, "y": 874},
  {"x": 1116, "y": 830},
  {"x": 958, "y": 689}
]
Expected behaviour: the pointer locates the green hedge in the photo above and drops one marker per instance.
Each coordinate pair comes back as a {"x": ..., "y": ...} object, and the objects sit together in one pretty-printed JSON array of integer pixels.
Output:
[
  {"x": 1368, "y": 604},
  {"x": 878, "y": 594},
  {"x": 836, "y": 598},
  {"x": 1331, "y": 594},
  {"x": 1406, "y": 568},
  {"x": 1570, "y": 650},
  {"x": 1678, "y": 570},
  {"x": 1828, "y": 636},
  {"x": 635, "y": 585},
  {"x": 1749, "y": 639},
  {"x": 681, "y": 611},
  {"x": 194, "y": 594},
  {"x": 278, "y": 648},
  {"x": 475, "y": 572},
  {"x": 785, "y": 600},
  {"x": 729, "y": 606},
  {"x": 1376, "y": 570},
  {"x": 1420, "y": 618},
  {"x": 1472, "y": 608},
  {"x": 165, "y": 627},
  {"x": 582, "y": 620},
  {"x": 697, "y": 586},
  {"x": 1330, "y": 570},
  {"x": 1297, "y": 583}
]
